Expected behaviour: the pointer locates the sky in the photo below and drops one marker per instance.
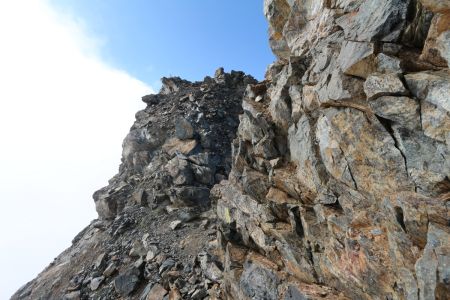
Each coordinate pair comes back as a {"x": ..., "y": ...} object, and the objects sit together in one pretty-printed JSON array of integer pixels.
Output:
[{"x": 72, "y": 73}]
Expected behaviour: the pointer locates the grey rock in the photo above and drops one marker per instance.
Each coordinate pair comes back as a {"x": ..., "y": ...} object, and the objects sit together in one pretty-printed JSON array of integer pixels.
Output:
[
  {"x": 203, "y": 175},
  {"x": 435, "y": 121},
  {"x": 110, "y": 270},
  {"x": 402, "y": 110},
  {"x": 170, "y": 85},
  {"x": 191, "y": 196},
  {"x": 427, "y": 161},
  {"x": 443, "y": 45},
  {"x": 152, "y": 252},
  {"x": 184, "y": 129},
  {"x": 378, "y": 85},
  {"x": 209, "y": 267},
  {"x": 166, "y": 265},
  {"x": 137, "y": 250},
  {"x": 76, "y": 295},
  {"x": 96, "y": 282},
  {"x": 175, "y": 224},
  {"x": 433, "y": 273},
  {"x": 301, "y": 145},
  {"x": 258, "y": 282},
  {"x": 388, "y": 64},
  {"x": 157, "y": 292},
  {"x": 375, "y": 21},
  {"x": 146, "y": 290},
  {"x": 433, "y": 87},
  {"x": 357, "y": 58},
  {"x": 255, "y": 184},
  {"x": 386, "y": 170},
  {"x": 293, "y": 293},
  {"x": 180, "y": 171},
  {"x": 199, "y": 294},
  {"x": 100, "y": 261},
  {"x": 126, "y": 283}
]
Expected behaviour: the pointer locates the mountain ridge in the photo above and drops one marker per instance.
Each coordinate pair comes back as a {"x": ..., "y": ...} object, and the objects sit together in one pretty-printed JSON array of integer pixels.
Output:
[{"x": 330, "y": 179}]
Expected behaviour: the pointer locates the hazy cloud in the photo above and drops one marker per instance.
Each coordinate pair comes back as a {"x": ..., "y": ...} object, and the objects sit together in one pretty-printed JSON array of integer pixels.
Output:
[{"x": 63, "y": 115}]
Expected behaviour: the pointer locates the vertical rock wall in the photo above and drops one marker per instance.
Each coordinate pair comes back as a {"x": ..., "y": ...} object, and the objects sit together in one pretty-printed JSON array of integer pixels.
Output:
[{"x": 340, "y": 181}]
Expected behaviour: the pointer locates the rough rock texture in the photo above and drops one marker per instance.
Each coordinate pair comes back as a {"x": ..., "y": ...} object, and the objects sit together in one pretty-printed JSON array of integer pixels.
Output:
[
  {"x": 333, "y": 182},
  {"x": 350, "y": 196}
]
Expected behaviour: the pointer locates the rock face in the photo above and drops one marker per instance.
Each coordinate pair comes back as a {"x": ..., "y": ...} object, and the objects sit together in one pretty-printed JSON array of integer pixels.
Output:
[
  {"x": 330, "y": 179},
  {"x": 350, "y": 197}
]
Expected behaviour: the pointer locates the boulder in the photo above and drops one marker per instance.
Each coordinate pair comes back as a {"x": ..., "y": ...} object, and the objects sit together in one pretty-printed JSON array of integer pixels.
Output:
[
  {"x": 259, "y": 282},
  {"x": 401, "y": 110},
  {"x": 357, "y": 58},
  {"x": 184, "y": 129},
  {"x": 127, "y": 282},
  {"x": 378, "y": 85},
  {"x": 157, "y": 292},
  {"x": 375, "y": 21}
]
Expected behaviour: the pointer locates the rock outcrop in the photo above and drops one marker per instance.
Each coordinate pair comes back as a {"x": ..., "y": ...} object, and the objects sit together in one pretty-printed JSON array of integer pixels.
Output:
[
  {"x": 343, "y": 191},
  {"x": 330, "y": 179}
]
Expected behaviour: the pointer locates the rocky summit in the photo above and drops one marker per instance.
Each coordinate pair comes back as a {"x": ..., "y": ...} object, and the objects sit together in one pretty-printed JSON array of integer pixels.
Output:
[{"x": 330, "y": 179}]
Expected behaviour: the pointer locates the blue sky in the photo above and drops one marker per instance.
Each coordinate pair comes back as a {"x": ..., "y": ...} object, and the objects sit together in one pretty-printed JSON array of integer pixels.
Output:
[
  {"x": 190, "y": 39},
  {"x": 73, "y": 73}
]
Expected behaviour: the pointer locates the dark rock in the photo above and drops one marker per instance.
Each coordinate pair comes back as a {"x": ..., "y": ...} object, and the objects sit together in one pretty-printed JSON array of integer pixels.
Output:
[
  {"x": 126, "y": 283},
  {"x": 184, "y": 129},
  {"x": 259, "y": 283}
]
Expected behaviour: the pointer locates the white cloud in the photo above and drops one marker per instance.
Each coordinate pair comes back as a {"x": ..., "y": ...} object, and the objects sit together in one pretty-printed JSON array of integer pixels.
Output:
[{"x": 63, "y": 115}]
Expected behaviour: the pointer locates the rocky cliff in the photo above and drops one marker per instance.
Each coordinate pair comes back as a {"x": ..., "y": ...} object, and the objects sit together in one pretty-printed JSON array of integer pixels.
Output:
[{"x": 328, "y": 180}]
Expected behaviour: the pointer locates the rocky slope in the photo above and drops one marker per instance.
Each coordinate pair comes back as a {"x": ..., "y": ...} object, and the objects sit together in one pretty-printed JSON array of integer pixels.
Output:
[
  {"x": 334, "y": 185},
  {"x": 156, "y": 231}
]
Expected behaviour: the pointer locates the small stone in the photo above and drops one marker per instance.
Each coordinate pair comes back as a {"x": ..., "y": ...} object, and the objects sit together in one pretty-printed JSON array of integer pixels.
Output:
[
  {"x": 174, "y": 294},
  {"x": 95, "y": 283},
  {"x": 156, "y": 293},
  {"x": 357, "y": 58},
  {"x": 204, "y": 223},
  {"x": 110, "y": 270},
  {"x": 376, "y": 231},
  {"x": 145, "y": 292},
  {"x": 388, "y": 64},
  {"x": 137, "y": 264},
  {"x": 100, "y": 260},
  {"x": 137, "y": 250},
  {"x": 166, "y": 265},
  {"x": 199, "y": 294},
  {"x": 152, "y": 252},
  {"x": 170, "y": 209},
  {"x": 140, "y": 197},
  {"x": 402, "y": 110},
  {"x": 175, "y": 224},
  {"x": 219, "y": 72},
  {"x": 72, "y": 296},
  {"x": 259, "y": 98}
]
